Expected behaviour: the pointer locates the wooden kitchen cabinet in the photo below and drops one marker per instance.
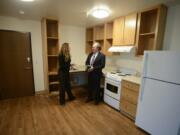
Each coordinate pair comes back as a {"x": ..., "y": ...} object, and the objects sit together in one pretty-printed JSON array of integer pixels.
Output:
[
  {"x": 94, "y": 34},
  {"x": 151, "y": 29},
  {"x": 144, "y": 29},
  {"x": 89, "y": 39},
  {"x": 108, "y": 37},
  {"x": 99, "y": 32},
  {"x": 129, "y": 98},
  {"x": 124, "y": 30},
  {"x": 130, "y": 29},
  {"x": 118, "y": 31}
]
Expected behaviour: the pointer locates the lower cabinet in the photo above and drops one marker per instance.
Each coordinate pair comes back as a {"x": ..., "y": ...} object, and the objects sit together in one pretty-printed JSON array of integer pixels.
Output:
[{"x": 129, "y": 98}]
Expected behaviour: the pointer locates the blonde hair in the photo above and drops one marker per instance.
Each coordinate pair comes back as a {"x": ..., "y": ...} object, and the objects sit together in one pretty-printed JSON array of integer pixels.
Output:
[{"x": 65, "y": 51}]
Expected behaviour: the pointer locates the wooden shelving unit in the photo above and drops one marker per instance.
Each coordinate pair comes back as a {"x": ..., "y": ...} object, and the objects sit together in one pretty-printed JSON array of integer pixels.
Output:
[
  {"x": 151, "y": 29},
  {"x": 50, "y": 49}
]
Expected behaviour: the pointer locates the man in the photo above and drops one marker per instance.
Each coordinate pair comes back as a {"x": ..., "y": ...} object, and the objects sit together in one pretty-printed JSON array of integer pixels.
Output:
[{"x": 95, "y": 62}]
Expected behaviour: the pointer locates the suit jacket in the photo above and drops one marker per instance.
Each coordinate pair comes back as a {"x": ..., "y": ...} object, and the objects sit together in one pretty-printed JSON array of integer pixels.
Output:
[{"x": 99, "y": 62}]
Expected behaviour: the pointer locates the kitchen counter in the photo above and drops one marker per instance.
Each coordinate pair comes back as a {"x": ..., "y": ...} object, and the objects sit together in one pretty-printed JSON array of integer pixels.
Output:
[
  {"x": 79, "y": 68},
  {"x": 133, "y": 79},
  {"x": 82, "y": 68},
  {"x": 108, "y": 69}
]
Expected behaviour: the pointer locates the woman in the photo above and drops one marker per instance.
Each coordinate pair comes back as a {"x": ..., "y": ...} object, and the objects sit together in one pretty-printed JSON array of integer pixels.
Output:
[{"x": 64, "y": 67}]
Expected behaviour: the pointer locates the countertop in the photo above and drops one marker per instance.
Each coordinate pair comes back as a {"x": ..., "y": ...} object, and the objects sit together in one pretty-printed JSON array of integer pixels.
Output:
[
  {"x": 78, "y": 68},
  {"x": 133, "y": 79},
  {"x": 82, "y": 68}
]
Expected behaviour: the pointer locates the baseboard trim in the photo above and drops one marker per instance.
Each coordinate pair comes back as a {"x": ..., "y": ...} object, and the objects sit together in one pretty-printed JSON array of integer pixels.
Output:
[{"x": 41, "y": 92}]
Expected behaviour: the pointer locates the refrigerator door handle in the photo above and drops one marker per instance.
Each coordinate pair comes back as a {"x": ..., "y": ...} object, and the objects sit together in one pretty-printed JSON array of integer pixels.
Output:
[
  {"x": 145, "y": 65},
  {"x": 142, "y": 88},
  {"x": 143, "y": 76}
]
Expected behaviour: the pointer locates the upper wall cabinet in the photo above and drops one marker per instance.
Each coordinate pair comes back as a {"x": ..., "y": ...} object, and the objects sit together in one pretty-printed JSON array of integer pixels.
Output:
[
  {"x": 94, "y": 34},
  {"x": 108, "y": 37},
  {"x": 130, "y": 29},
  {"x": 124, "y": 30},
  {"x": 118, "y": 31},
  {"x": 99, "y": 33},
  {"x": 151, "y": 29},
  {"x": 144, "y": 29},
  {"x": 89, "y": 39}
]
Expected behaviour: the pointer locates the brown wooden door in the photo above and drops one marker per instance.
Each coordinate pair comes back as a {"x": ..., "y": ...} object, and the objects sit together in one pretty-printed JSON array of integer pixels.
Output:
[{"x": 16, "y": 70}]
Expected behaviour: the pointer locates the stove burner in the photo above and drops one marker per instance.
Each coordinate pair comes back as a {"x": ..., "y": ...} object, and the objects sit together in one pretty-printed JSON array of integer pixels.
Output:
[{"x": 113, "y": 72}]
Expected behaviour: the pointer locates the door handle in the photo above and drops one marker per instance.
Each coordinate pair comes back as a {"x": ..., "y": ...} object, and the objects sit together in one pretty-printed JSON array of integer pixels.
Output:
[
  {"x": 28, "y": 60},
  {"x": 28, "y": 68}
]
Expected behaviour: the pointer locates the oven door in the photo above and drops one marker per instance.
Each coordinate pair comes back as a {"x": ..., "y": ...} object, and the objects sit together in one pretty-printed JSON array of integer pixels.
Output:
[{"x": 112, "y": 88}]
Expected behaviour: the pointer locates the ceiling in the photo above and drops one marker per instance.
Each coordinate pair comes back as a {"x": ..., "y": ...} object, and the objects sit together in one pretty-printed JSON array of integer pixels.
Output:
[{"x": 73, "y": 12}]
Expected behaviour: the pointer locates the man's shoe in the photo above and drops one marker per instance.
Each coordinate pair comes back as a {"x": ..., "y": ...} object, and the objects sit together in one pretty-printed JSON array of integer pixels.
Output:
[
  {"x": 62, "y": 103},
  {"x": 96, "y": 102},
  {"x": 89, "y": 100},
  {"x": 72, "y": 98}
]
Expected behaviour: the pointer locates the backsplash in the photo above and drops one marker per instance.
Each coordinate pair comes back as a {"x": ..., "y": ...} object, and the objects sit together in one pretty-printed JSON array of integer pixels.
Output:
[{"x": 128, "y": 60}]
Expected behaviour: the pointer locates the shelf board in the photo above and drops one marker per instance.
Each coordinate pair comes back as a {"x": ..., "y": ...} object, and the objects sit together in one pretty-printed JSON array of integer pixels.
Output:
[
  {"x": 53, "y": 83},
  {"x": 108, "y": 38},
  {"x": 52, "y": 55},
  {"x": 56, "y": 38},
  {"x": 53, "y": 73},
  {"x": 99, "y": 39},
  {"x": 89, "y": 40},
  {"x": 147, "y": 34}
]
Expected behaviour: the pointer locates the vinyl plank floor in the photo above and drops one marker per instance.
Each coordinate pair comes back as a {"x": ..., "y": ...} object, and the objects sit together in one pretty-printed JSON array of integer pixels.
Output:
[{"x": 42, "y": 115}]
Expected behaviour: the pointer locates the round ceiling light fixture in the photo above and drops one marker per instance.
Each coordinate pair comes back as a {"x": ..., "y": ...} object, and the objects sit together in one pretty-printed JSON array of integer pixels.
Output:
[
  {"x": 27, "y": 0},
  {"x": 99, "y": 12},
  {"x": 21, "y": 12}
]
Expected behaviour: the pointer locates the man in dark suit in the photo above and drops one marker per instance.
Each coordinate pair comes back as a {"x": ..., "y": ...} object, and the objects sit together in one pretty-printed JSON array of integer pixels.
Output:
[{"x": 95, "y": 62}]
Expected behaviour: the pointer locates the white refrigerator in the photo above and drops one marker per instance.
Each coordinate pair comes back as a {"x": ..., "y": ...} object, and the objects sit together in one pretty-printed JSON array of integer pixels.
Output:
[{"x": 158, "y": 111}]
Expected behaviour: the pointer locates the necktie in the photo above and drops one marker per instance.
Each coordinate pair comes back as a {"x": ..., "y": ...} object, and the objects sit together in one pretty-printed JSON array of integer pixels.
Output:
[{"x": 92, "y": 60}]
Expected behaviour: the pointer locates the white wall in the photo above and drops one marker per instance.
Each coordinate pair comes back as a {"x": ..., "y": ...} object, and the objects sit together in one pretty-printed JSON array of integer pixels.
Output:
[
  {"x": 76, "y": 37},
  {"x": 172, "y": 33},
  {"x": 10, "y": 23},
  {"x": 72, "y": 34},
  {"x": 171, "y": 42}
]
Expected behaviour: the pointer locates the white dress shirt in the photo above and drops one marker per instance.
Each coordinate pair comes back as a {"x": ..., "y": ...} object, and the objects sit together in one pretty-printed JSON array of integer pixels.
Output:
[{"x": 93, "y": 58}]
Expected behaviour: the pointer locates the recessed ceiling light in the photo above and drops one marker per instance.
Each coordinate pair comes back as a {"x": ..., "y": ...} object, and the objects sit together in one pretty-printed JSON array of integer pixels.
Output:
[
  {"x": 27, "y": 0},
  {"x": 99, "y": 12},
  {"x": 21, "y": 12}
]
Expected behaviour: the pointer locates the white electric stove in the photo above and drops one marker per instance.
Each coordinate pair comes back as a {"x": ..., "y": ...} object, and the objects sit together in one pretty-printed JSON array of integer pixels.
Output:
[{"x": 112, "y": 87}]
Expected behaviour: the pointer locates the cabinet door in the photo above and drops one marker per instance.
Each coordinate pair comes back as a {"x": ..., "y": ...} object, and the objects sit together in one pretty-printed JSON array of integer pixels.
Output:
[
  {"x": 118, "y": 31},
  {"x": 128, "y": 109},
  {"x": 130, "y": 29}
]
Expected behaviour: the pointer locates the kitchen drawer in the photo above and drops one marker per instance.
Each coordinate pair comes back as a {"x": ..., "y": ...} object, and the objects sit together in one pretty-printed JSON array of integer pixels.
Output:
[
  {"x": 128, "y": 108},
  {"x": 129, "y": 95},
  {"x": 130, "y": 85}
]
